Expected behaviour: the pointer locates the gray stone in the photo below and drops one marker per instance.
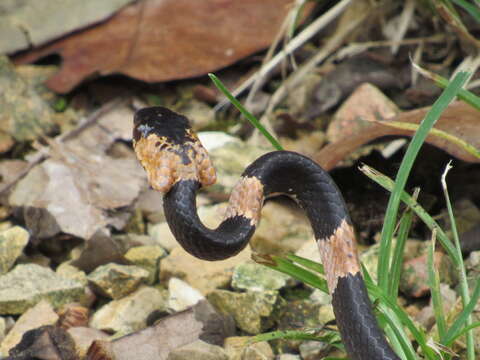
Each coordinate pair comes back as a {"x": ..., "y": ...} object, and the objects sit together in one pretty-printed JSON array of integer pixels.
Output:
[
  {"x": 148, "y": 258},
  {"x": 161, "y": 235},
  {"x": 198, "y": 350},
  {"x": 253, "y": 311},
  {"x": 25, "y": 115},
  {"x": 39, "y": 315},
  {"x": 50, "y": 191},
  {"x": 83, "y": 338},
  {"x": 288, "y": 357},
  {"x": 71, "y": 272},
  {"x": 230, "y": 161},
  {"x": 117, "y": 281},
  {"x": 181, "y": 295},
  {"x": 258, "y": 351},
  {"x": 12, "y": 243},
  {"x": 284, "y": 228},
  {"x": 3, "y": 328},
  {"x": 312, "y": 350},
  {"x": 27, "y": 284},
  {"x": 130, "y": 313},
  {"x": 256, "y": 277},
  {"x": 22, "y": 23},
  {"x": 204, "y": 275}
]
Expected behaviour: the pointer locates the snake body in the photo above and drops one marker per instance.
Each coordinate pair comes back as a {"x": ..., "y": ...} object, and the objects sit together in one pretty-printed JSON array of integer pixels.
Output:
[{"x": 178, "y": 165}]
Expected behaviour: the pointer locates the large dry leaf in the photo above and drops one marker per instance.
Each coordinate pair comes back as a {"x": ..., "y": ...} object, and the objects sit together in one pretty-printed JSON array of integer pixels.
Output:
[
  {"x": 459, "y": 120},
  {"x": 159, "y": 40}
]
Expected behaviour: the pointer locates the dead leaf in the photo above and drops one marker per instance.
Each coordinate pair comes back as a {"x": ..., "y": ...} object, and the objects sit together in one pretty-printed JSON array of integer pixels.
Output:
[
  {"x": 78, "y": 190},
  {"x": 459, "y": 119},
  {"x": 160, "y": 40}
]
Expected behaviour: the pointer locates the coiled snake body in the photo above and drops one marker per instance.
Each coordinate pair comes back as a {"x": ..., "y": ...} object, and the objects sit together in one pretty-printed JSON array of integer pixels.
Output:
[{"x": 178, "y": 165}]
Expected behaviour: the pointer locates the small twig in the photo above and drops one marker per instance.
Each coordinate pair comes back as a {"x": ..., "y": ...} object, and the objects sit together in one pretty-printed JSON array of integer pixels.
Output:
[
  {"x": 333, "y": 43},
  {"x": 43, "y": 153},
  {"x": 405, "y": 19},
  {"x": 283, "y": 31},
  {"x": 296, "y": 42}
]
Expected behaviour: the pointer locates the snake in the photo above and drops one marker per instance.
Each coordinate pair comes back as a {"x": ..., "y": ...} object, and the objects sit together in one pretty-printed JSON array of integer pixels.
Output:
[{"x": 178, "y": 165}]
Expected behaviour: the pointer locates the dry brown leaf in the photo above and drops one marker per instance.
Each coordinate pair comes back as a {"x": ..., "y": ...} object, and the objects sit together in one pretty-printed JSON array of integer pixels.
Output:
[
  {"x": 459, "y": 119},
  {"x": 160, "y": 40}
]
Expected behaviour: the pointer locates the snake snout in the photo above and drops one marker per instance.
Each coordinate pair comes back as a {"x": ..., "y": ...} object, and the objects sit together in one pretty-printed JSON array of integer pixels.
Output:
[{"x": 169, "y": 150}]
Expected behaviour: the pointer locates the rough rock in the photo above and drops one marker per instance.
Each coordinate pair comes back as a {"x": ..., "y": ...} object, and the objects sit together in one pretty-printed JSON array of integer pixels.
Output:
[
  {"x": 22, "y": 23},
  {"x": 62, "y": 195},
  {"x": 181, "y": 295},
  {"x": 46, "y": 342},
  {"x": 73, "y": 315},
  {"x": 99, "y": 250},
  {"x": 130, "y": 313},
  {"x": 283, "y": 228},
  {"x": 3, "y": 329},
  {"x": 161, "y": 235},
  {"x": 150, "y": 203},
  {"x": 148, "y": 258},
  {"x": 27, "y": 284},
  {"x": 253, "y": 311},
  {"x": 354, "y": 114},
  {"x": 198, "y": 350},
  {"x": 12, "y": 243},
  {"x": 312, "y": 350},
  {"x": 116, "y": 281},
  {"x": 38, "y": 315},
  {"x": 302, "y": 313},
  {"x": 24, "y": 115},
  {"x": 71, "y": 272},
  {"x": 203, "y": 275},
  {"x": 230, "y": 160},
  {"x": 414, "y": 277},
  {"x": 255, "y": 277},
  {"x": 289, "y": 357},
  {"x": 169, "y": 333},
  {"x": 239, "y": 348},
  {"x": 258, "y": 351},
  {"x": 83, "y": 338}
]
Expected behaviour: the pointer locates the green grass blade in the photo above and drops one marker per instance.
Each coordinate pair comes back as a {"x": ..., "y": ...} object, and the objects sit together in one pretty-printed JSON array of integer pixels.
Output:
[
  {"x": 245, "y": 112},
  {"x": 392, "y": 208},
  {"x": 470, "y": 8},
  {"x": 306, "y": 263},
  {"x": 403, "y": 317},
  {"x": 388, "y": 184},
  {"x": 463, "y": 331},
  {"x": 332, "y": 337},
  {"x": 434, "y": 284},
  {"x": 460, "y": 268},
  {"x": 456, "y": 329},
  {"x": 398, "y": 251},
  {"x": 286, "y": 266},
  {"x": 472, "y": 150},
  {"x": 398, "y": 338},
  {"x": 464, "y": 95}
]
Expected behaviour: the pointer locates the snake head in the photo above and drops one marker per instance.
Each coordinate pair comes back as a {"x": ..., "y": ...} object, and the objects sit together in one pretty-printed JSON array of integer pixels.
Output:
[{"x": 169, "y": 150}]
